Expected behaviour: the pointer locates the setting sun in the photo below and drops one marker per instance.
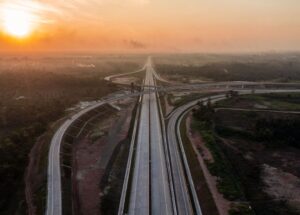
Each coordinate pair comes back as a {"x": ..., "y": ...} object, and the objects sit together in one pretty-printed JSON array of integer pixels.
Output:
[{"x": 17, "y": 22}]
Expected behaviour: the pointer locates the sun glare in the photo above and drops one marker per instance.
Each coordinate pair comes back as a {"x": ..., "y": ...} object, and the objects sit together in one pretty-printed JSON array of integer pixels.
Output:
[{"x": 17, "y": 22}]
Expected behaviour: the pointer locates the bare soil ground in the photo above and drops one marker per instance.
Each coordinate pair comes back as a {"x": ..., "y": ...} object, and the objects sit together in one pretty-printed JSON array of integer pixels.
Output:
[
  {"x": 126, "y": 80},
  {"x": 92, "y": 157},
  {"x": 282, "y": 185},
  {"x": 87, "y": 173}
]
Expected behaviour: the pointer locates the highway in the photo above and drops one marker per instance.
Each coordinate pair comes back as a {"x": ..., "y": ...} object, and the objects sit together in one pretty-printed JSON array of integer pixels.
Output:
[
  {"x": 159, "y": 185},
  {"x": 150, "y": 189}
]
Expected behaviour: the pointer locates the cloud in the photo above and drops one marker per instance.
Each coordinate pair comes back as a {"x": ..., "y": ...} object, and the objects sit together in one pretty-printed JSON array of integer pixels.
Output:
[
  {"x": 58, "y": 11},
  {"x": 135, "y": 44}
]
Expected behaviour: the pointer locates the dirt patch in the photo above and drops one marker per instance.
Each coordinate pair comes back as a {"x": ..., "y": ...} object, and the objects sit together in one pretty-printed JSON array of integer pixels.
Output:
[
  {"x": 286, "y": 158},
  {"x": 281, "y": 185},
  {"x": 86, "y": 174},
  {"x": 125, "y": 80}
]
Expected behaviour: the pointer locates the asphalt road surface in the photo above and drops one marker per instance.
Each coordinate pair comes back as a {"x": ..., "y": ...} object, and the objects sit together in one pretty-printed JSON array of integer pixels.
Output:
[{"x": 150, "y": 190}]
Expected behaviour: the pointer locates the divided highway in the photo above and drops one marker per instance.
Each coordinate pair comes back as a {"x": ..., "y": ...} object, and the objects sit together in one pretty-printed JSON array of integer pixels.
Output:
[
  {"x": 150, "y": 189},
  {"x": 161, "y": 181}
]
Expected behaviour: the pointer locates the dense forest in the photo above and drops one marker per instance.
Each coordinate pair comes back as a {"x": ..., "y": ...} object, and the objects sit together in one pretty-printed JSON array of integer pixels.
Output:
[{"x": 236, "y": 71}]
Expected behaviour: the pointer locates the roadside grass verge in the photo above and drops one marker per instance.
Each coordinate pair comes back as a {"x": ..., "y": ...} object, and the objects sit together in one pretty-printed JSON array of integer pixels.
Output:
[{"x": 204, "y": 195}]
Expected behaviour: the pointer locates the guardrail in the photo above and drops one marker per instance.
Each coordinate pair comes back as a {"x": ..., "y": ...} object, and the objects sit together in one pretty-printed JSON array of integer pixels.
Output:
[
  {"x": 187, "y": 170},
  {"x": 129, "y": 163},
  {"x": 167, "y": 152}
]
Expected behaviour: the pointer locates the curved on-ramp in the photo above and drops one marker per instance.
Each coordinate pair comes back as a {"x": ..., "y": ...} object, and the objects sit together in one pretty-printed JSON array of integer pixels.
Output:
[{"x": 176, "y": 145}]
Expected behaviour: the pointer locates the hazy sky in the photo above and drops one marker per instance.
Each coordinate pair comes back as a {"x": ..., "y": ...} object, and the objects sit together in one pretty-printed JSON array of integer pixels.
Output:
[{"x": 154, "y": 25}]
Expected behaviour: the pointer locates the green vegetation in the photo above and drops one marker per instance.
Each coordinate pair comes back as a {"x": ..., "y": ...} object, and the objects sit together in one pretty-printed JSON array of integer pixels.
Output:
[
  {"x": 240, "y": 209},
  {"x": 274, "y": 132},
  {"x": 178, "y": 101},
  {"x": 274, "y": 101},
  {"x": 228, "y": 183},
  {"x": 14, "y": 150},
  {"x": 281, "y": 70},
  {"x": 24, "y": 120},
  {"x": 265, "y": 127},
  {"x": 269, "y": 131}
]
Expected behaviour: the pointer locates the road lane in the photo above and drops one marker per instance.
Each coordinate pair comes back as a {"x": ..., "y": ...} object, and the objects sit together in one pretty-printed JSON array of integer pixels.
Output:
[
  {"x": 160, "y": 189},
  {"x": 140, "y": 193},
  {"x": 150, "y": 190}
]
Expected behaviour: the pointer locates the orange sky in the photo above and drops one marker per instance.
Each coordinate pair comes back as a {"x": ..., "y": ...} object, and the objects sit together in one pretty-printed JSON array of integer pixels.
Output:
[{"x": 155, "y": 25}]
